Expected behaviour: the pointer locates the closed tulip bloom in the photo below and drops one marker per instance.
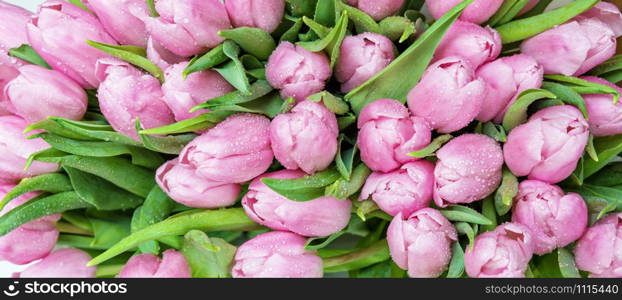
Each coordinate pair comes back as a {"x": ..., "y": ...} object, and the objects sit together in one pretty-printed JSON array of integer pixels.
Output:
[
  {"x": 186, "y": 27},
  {"x": 305, "y": 138},
  {"x": 296, "y": 71},
  {"x": 599, "y": 251},
  {"x": 362, "y": 56},
  {"x": 31, "y": 241},
  {"x": 469, "y": 168},
  {"x": 127, "y": 93},
  {"x": 506, "y": 78},
  {"x": 554, "y": 218},
  {"x": 59, "y": 33},
  {"x": 12, "y": 32},
  {"x": 470, "y": 41},
  {"x": 173, "y": 264},
  {"x": 572, "y": 48},
  {"x": 449, "y": 95},
  {"x": 183, "y": 185},
  {"x": 264, "y": 14},
  {"x": 181, "y": 94},
  {"x": 607, "y": 13},
  {"x": 62, "y": 263},
  {"x": 477, "y": 12},
  {"x": 276, "y": 254},
  {"x": 502, "y": 253},
  {"x": 404, "y": 191},
  {"x": 378, "y": 9},
  {"x": 421, "y": 243},
  {"x": 235, "y": 151},
  {"x": 549, "y": 146},
  {"x": 38, "y": 93},
  {"x": 7, "y": 73},
  {"x": 117, "y": 19},
  {"x": 160, "y": 56},
  {"x": 15, "y": 149},
  {"x": 315, "y": 218},
  {"x": 387, "y": 134},
  {"x": 605, "y": 116}
]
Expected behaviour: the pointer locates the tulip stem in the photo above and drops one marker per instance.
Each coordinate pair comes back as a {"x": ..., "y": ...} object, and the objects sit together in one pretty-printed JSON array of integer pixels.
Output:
[
  {"x": 108, "y": 270},
  {"x": 70, "y": 228}
]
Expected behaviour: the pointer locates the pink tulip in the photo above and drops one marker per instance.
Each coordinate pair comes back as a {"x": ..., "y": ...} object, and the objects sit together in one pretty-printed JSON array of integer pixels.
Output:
[
  {"x": 504, "y": 252},
  {"x": 605, "y": 116},
  {"x": 305, "y": 138},
  {"x": 378, "y": 9},
  {"x": 38, "y": 93},
  {"x": 31, "y": 241},
  {"x": 183, "y": 185},
  {"x": 116, "y": 18},
  {"x": 276, "y": 254},
  {"x": 297, "y": 72},
  {"x": 264, "y": 14},
  {"x": 59, "y": 33},
  {"x": 549, "y": 145},
  {"x": 421, "y": 244},
  {"x": 161, "y": 56},
  {"x": 172, "y": 265},
  {"x": 607, "y": 13},
  {"x": 529, "y": 6},
  {"x": 472, "y": 42},
  {"x": 235, "y": 151},
  {"x": 181, "y": 94},
  {"x": 7, "y": 73},
  {"x": 315, "y": 218},
  {"x": 12, "y": 33},
  {"x": 361, "y": 57},
  {"x": 404, "y": 191},
  {"x": 186, "y": 27},
  {"x": 554, "y": 218},
  {"x": 387, "y": 134},
  {"x": 15, "y": 149},
  {"x": 572, "y": 48},
  {"x": 468, "y": 169},
  {"x": 477, "y": 12},
  {"x": 449, "y": 95},
  {"x": 506, "y": 78},
  {"x": 599, "y": 251},
  {"x": 127, "y": 93},
  {"x": 62, "y": 263}
]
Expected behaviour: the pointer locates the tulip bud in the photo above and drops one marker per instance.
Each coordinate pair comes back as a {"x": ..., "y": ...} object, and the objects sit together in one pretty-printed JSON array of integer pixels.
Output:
[
  {"x": 15, "y": 149},
  {"x": 598, "y": 251},
  {"x": 276, "y": 254},
  {"x": 503, "y": 252},
  {"x": 31, "y": 241},
  {"x": 126, "y": 93},
  {"x": 555, "y": 219},
  {"x": 38, "y": 93},
  {"x": 161, "y": 56},
  {"x": 235, "y": 151},
  {"x": 607, "y": 13},
  {"x": 183, "y": 185},
  {"x": 421, "y": 244},
  {"x": 549, "y": 145},
  {"x": 186, "y": 27},
  {"x": 172, "y": 265},
  {"x": 116, "y": 18},
  {"x": 62, "y": 263},
  {"x": 12, "y": 33},
  {"x": 264, "y": 14},
  {"x": 449, "y": 95},
  {"x": 378, "y": 9},
  {"x": 477, "y": 12},
  {"x": 296, "y": 71},
  {"x": 306, "y": 138},
  {"x": 470, "y": 41},
  {"x": 605, "y": 116},
  {"x": 181, "y": 94},
  {"x": 572, "y": 48},
  {"x": 404, "y": 191},
  {"x": 7, "y": 73},
  {"x": 469, "y": 168},
  {"x": 315, "y": 218},
  {"x": 506, "y": 78},
  {"x": 59, "y": 33},
  {"x": 388, "y": 134},
  {"x": 361, "y": 57}
]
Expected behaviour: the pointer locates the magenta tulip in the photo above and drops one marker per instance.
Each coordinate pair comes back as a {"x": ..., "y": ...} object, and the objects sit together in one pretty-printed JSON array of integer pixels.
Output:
[
  {"x": 378, "y": 9},
  {"x": 605, "y": 116},
  {"x": 117, "y": 19},
  {"x": 599, "y": 251},
  {"x": 361, "y": 57},
  {"x": 62, "y": 263},
  {"x": 264, "y": 14},
  {"x": 477, "y": 12},
  {"x": 172, "y": 265},
  {"x": 472, "y": 42}
]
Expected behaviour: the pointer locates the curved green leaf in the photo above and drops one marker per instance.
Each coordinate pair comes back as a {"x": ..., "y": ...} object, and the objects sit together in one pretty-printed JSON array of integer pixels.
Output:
[
  {"x": 28, "y": 54},
  {"x": 100, "y": 193},
  {"x": 51, "y": 183},
  {"x": 331, "y": 42},
  {"x": 583, "y": 86},
  {"x": 517, "y": 112},
  {"x": 429, "y": 150},
  {"x": 362, "y": 21},
  {"x": 607, "y": 149},
  {"x": 456, "y": 265},
  {"x": 208, "y": 257},
  {"x": 134, "y": 55},
  {"x": 206, "y": 61},
  {"x": 255, "y": 41},
  {"x": 343, "y": 188},
  {"x": 506, "y": 192},
  {"x": 459, "y": 213},
  {"x": 303, "y": 189},
  {"x": 357, "y": 259},
  {"x": 171, "y": 144}
]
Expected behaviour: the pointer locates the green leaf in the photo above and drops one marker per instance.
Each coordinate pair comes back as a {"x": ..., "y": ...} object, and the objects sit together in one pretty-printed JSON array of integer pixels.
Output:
[
  {"x": 157, "y": 207},
  {"x": 344, "y": 160},
  {"x": 331, "y": 42},
  {"x": 607, "y": 149},
  {"x": 397, "y": 28},
  {"x": 79, "y": 4},
  {"x": 303, "y": 7},
  {"x": 345, "y": 121},
  {"x": 206, "y": 61},
  {"x": 456, "y": 265},
  {"x": 610, "y": 175},
  {"x": 488, "y": 210},
  {"x": 201, "y": 122},
  {"x": 398, "y": 78},
  {"x": 466, "y": 229},
  {"x": 567, "y": 95},
  {"x": 110, "y": 231},
  {"x": 496, "y": 132},
  {"x": 517, "y": 112},
  {"x": 257, "y": 90},
  {"x": 508, "y": 10},
  {"x": 538, "y": 9},
  {"x": 342, "y": 188},
  {"x": 233, "y": 71},
  {"x": 255, "y": 41},
  {"x": 325, "y": 12},
  {"x": 28, "y": 54},
  {"x": 51, "y": 183},
  {"x": 319, "y": 29},
  {"x": 567, "y": 264},
  {"x": 583, "y": 86},
  {"x": 505, "y": 193},
  {"x": 131, "y": 54},
  {"x": 79, "y": 129},
  {"x": 151, "y": 7},
  {"x": 611, "y": 65},
  {"x": 332, "y": 102},
  {"x": 599, "y": 198},
  {"x": 292, "y": 33},
  {"x": 436, "y": 144},
  {"x": 459, "y": 213},
  {"x": 269, "y": 105},
  {"x": 357, "y": 259},
  {"x": 306, "y": 188},
  {"x": 362, "y": 21},
  {"x": 171, "y": 144},
  {"x": 355, "y": 227},
  {"x": 208, "y": 257}
]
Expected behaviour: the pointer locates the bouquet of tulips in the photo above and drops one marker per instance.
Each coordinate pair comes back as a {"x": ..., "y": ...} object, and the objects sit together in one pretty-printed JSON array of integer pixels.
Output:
[{"x": 311, "y": 138}]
